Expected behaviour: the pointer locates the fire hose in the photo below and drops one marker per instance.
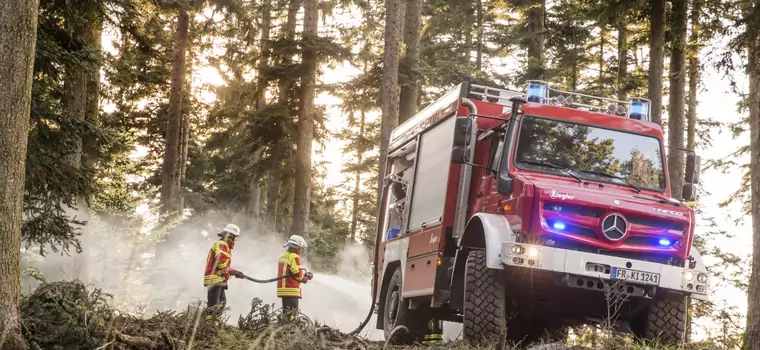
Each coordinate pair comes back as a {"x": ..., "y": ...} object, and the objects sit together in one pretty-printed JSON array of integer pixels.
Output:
[
  {"x": 374, "y": 274},
  {"x": 308, "y": 275}
]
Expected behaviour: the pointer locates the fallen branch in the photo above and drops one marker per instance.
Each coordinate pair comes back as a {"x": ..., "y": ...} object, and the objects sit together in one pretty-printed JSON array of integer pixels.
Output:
[{"x": 136, "y": 341}]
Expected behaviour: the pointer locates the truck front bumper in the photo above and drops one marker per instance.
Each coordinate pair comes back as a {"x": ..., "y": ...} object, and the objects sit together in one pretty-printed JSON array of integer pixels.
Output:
[{"x": 609, "y": 269}]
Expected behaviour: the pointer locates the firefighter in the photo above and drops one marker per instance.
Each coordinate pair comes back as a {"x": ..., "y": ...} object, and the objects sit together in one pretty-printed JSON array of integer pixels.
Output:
[
  {"x": 435, "y": 332},
  {"x": 289, "y": 288},
  {"x": 218, "y": 271}
]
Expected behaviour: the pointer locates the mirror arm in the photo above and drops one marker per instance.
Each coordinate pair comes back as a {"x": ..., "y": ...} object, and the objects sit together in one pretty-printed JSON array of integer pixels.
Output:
[{"x": 479, "y": 166}]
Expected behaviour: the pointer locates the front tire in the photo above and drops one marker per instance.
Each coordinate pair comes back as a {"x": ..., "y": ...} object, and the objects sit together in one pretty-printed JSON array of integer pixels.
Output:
[
  {"x": 396, "y": 313},
  {"x": 665, "y": 320},
  {"x": 484, "y": 301}
]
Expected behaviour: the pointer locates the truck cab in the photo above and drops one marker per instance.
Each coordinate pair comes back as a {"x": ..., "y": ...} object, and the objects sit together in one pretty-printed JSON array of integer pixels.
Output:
[{"x": 526, "y": 213}]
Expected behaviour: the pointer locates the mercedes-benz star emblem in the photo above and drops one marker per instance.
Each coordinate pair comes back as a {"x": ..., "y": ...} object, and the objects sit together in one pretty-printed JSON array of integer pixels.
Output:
[{"x": 614, "y": 227}]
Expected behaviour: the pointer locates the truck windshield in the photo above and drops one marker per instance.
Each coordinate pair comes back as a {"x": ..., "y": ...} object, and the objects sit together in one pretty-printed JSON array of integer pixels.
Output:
[{"x": 590, "y": 152}]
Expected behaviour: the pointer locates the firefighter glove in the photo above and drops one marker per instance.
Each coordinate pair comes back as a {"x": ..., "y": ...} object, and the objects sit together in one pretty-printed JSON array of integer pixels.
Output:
[{"x": 309, "y": 275}]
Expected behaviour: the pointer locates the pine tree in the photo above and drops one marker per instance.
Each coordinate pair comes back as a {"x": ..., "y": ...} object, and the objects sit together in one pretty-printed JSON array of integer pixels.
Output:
[
  {"x": 389, "y": 93},
  {"x": 751, "y": 9},
  {"x": 18, "y": 31},
  {"x": 170, "y": 178},
  {"x": 677, "y": 81},
  {"x": 302, "y": 199},
  {"x": 409, "y": 66},
  {"x": 656, "y": 57}
]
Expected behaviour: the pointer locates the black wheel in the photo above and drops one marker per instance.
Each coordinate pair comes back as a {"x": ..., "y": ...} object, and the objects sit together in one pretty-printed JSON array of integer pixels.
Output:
[
  {"x": 484, "y": 301},
  {"x": 664, "y": 321},
  {"x": 396, "y": 313}
]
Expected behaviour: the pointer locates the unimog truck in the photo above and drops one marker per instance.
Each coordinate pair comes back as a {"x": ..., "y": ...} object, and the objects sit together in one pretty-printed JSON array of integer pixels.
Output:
[{"x": 522, "y": 214}]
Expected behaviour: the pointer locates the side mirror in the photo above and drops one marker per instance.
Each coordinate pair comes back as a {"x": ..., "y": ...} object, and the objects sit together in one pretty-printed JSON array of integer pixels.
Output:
[
  {"x": 693, "y": 168},
  {"x": 462, "y": 130},
  {"x": 504, "y": 184},
  {"x": 689, "y": 192},
  {"x": 459, "y": 155}
]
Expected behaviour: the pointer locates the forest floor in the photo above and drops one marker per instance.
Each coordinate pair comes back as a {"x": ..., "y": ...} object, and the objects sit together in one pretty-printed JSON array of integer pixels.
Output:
[{"x": 67, "y": 315}]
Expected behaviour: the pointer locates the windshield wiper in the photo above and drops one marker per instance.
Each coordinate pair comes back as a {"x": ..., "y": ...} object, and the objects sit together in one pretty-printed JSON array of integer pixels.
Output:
[
  {"x": 554, "y": 166},
  {"x": 638, "y": 190}
]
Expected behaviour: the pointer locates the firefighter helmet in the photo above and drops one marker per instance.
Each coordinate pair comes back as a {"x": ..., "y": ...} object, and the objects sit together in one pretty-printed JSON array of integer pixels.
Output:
[
  {"x": 296, "y": 241},
  {"x": 232, "y": 229}
]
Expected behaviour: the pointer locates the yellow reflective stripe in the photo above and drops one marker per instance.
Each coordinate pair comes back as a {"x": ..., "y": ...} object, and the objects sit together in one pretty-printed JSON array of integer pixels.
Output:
[
  {"x": 282, "y": 273},
  {"x": 288, "y": 292},
  {"x": 212, "y": 279},
  {"x": 294, "y": 268}
]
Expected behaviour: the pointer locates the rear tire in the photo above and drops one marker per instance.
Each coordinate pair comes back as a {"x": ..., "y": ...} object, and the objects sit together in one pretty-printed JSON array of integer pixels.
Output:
[
  {"x": 665, "y": 321},
  {"x": 396, "y": 313},
  {"x": 484, "y": 301}
]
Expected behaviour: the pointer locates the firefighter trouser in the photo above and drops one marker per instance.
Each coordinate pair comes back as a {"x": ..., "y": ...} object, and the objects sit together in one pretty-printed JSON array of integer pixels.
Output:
[
  {"x": 435, "y": 332},
  {"x": 289, "y": 308},
  {"x": 216, "y": 301}
]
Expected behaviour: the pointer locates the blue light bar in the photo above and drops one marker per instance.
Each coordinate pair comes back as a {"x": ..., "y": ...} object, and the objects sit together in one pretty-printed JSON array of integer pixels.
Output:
[
  {"x": 664, "y": 242},
  {"x": 537, "y": 93},
  {"x": 392, "y": 233},
  {"x": 558, "y": 226},
  {"x": 639, "y": 110}
]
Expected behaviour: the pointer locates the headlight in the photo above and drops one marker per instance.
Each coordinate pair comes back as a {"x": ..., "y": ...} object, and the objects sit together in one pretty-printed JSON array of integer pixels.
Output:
[
  {"x": 517, "y": 250},
  {"x": 701, "y": 278},
  {"x": 532, "y": 252},
  {"x": 688, "y": 275}
]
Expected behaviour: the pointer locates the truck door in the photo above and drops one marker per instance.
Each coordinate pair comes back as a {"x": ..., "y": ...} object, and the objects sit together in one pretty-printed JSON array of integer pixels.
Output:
[{"x": 485, "y": 196}]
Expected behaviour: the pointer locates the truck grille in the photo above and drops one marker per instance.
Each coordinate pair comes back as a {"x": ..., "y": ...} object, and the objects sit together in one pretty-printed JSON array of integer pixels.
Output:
[{"x": 644, "y": 232}]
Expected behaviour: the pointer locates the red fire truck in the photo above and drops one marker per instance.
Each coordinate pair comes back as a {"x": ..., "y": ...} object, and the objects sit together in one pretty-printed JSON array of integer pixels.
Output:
[{"x": 527, "y": 213}]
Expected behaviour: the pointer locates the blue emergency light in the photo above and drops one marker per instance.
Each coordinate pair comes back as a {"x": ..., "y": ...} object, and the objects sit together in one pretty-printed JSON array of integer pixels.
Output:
[
  {"x": 392, "y": 233},
  {"x": 559, "y": 226},
  {"x": 537, "y": 93},
  {"x": 665, "y": 242},
  {"x": 639, "y": 110}
]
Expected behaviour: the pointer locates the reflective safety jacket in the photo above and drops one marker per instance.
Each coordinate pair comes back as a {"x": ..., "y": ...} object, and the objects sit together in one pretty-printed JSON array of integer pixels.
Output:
[
  {"x": 218, "y": 264},
  {"x": 291, "y": 285}
]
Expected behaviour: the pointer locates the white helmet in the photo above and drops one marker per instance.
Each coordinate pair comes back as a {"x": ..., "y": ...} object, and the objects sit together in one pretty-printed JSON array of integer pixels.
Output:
[
  {"x": 231, "y": 229},
  {"x": 296, "y": 241}
]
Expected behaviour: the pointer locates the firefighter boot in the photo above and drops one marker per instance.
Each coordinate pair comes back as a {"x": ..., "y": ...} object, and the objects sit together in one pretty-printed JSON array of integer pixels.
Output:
[
  {"x": 435, "y": 332},
  {"x": 214, "y": 313}
]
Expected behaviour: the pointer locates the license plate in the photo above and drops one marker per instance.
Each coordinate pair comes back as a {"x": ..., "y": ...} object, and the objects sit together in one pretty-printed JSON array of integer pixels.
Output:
[{"x": 635, "y": 276}]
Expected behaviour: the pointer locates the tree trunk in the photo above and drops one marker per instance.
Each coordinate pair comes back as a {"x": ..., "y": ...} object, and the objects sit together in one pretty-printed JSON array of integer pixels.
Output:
[
  {"x": 694, "y": 76},
  {"x": 302, "y": 195},
  {"x": 410, "y": 62},
  {"x": 273, "y": 190},
  {"x": 254, "y": 198},
  {"x": 279, "y": 149},
  {"x": 170, "y": 172},
  {"x": 389, "y": 90},
  {"x": 80, "y": 102},
  {"x": 74, "y": 100},
  {"x": 677, "y": 98},
  {"x": 601, "y": 56},
  {"x": 357, "y": 181},
  {"x": 622, "y": 73},
  {"x": 184, "y": 133},
  {"x": 468, "y": 13},
  {"x": 752, "y": 333},
  {"x": 18, "y": 33},
  {"x": 536, "y": 15},
  {"x": 479, "y": 24},
  {"x": 656, "y": 58}
]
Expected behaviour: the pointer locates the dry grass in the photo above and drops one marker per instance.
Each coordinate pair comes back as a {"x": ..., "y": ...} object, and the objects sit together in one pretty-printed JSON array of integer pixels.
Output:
[{"x": 66, "y": 315}]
